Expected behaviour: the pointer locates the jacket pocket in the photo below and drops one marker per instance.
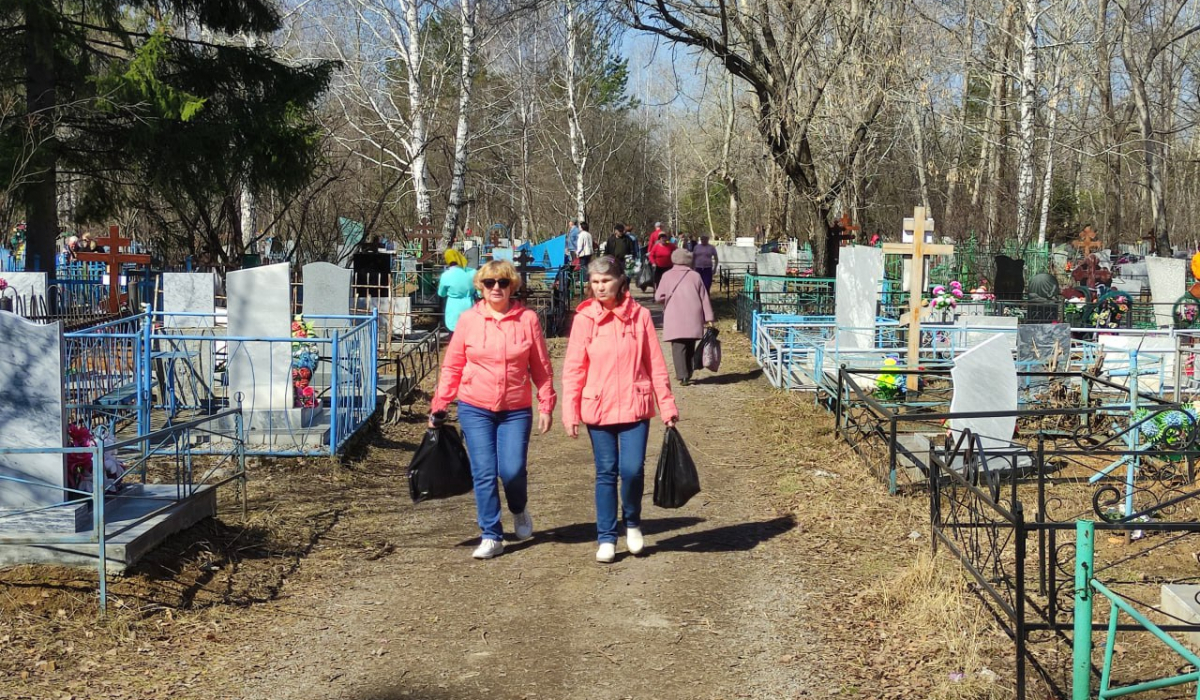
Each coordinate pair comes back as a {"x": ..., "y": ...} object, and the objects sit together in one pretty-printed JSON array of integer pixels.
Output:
[
  {"x": 643, "y": 401},
  {"x": 589, "y": 409}
]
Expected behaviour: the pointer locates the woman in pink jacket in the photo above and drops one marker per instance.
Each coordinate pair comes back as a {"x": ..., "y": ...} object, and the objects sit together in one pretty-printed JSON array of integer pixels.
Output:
[
  {"x": 497, "y": 347},
  {"x": 613, "y": 376},
  {"x": 686, "y": 311}
]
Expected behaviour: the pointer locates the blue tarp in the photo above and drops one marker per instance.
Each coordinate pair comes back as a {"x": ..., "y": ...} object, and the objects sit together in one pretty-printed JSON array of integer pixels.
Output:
[{"x": 549, "y": 253}]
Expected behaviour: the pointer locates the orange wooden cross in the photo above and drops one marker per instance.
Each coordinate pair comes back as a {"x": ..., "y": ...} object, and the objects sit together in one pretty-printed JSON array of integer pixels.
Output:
[
  {"x": 1087, "y": 243},
  {"x": 847, "y": 235},
  {"x": 114, "y": 258}
]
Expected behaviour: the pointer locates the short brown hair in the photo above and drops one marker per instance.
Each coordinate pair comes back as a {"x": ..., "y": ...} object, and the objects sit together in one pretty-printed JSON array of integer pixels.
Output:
[{"x": 498, "y": 269}]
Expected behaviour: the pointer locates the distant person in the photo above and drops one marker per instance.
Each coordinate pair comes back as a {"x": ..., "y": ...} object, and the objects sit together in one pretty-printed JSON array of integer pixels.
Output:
[
  {"x": 617, "y": 245},
  {"x": 690, "y": 245},
  {"x": 494, "y": 358},
  {"x": 656, "y": 234},
  {"x": 456, "y": 286},
  {"x": 572, "y": 241},
  {"x": 613, "y": 375},
  {"x": 635, "y": 247},
  {"x": 660, "y": 257},
  {"x": 584, "y": 246},
  {"x": 705, "y": 261},
  {"x": 686, "y": 310}
]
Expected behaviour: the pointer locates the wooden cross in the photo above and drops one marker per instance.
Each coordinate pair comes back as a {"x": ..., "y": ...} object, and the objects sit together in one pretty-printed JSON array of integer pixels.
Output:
[
  {"x": 495, "y": 238},
  {"x": 847, "y": 230},
  {"x": 1087, "y": 243},
  {"x": 114, "y": 258},
  {"x": 918, "y": 249},
  {"x": 424, "y": 234}
]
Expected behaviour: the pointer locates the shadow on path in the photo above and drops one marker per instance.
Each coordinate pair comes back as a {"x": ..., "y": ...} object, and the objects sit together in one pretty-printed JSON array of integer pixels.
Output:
[
  {"x": 586, "y": 532},
  {"x": 730, "y": 538},
  {"x": 722, "y": 379}
]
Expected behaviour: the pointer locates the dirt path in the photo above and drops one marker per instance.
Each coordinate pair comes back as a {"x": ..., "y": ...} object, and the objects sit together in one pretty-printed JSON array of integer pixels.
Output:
[
  {"x": 792, "y": 575},
  {"x": 708, "y": 610}
]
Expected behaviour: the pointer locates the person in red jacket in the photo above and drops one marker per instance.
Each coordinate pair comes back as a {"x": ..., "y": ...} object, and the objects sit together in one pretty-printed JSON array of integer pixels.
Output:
[
  {"x": 497, "y": 348},
  {"x": 613, "y": 375},
  {"x": 660, "y": 257}
]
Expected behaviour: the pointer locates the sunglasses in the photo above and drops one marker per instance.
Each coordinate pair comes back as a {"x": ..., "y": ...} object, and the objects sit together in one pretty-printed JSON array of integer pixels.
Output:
[{"x": 503, "y": 282}]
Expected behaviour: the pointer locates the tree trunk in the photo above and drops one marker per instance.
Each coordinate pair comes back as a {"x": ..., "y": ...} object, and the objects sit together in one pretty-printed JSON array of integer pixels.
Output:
[
  {"x": 1025, "y": 175},
  {"x": 1152, "y": 176},
  {"x": 919, "y": 147},
  {"x": 462, "y": 136},
  {"x": 40, "y": 193},
  {"x": 727, "y": 176},
  {"x": 418, "y": 134},
  {"x": 579, "y": 150},
  {"x": 1051, "y": 124}
]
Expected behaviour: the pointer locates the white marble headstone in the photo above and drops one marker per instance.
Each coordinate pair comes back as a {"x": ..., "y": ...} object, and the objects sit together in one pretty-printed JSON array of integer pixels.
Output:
[
  {"x": 326, "y": 290},
  {"x": 856, "y": 296},
  {"x": 260, "y": 307},
  {"x": 744, "y": 242},
  {"x": 396, "y": 314},
  {"x": 31, "y": 410},
  {"x": 771, "y": 265},
  {"x": 736, "y": 255},
  {"x": 189, "y": 292},
  {"x": 990, "y": 326},
  {"x": 985, "y": 379},
  {"x": 29, "y": 288},
  {"x": 1168, "y": 282}
]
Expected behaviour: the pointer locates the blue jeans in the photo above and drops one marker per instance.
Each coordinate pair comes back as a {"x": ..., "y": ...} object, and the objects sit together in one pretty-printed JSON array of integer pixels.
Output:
[
  {"x": 498, "y": 444},
  {"x": 618, "y": 449}
]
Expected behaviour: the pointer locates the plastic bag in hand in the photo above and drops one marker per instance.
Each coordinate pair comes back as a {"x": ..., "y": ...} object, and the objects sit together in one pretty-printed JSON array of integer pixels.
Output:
[
  {"x": 708, "y": 353},
  {"x": 440, "y": 467},
  {"x": 676, "y": 480}
]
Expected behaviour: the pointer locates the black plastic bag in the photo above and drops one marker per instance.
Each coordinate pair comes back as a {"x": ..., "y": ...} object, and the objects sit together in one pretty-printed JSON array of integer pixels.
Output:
[
  {"x": 676, "y": 480},
  {"x": 440, "y": 467},
  {"x": 645, "y": 276}
]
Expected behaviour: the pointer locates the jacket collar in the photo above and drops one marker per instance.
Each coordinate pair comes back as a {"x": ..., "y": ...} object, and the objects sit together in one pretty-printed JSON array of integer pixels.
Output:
[
  {"x": 514, "y": 308},
  {"x": 595, "y": 310}
]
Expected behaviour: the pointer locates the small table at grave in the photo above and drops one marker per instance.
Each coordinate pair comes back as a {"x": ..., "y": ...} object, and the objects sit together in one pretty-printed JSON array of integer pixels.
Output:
[{"x": 918, "y": 249}]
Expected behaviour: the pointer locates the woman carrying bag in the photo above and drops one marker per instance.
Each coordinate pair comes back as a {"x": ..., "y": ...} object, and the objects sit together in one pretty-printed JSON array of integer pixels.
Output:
[
  {"x": 494, "y": 354},
  {"x": 613, "y": 376},
  {"x": 686, "y": 311}
]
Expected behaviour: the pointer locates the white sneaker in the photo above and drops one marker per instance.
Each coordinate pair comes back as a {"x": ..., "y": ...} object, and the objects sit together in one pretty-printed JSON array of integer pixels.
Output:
[
  {"x": 634, "y": 540},
  {"x": 488, "y": 549},
  {"x": 523, "y": 525},
  {"x": 606, "y": 553}
]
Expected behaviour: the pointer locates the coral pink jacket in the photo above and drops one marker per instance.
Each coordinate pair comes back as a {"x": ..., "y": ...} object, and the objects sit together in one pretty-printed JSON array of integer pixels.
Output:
[
  {"x": 614, "y": 369},
  {"x": 489, "y": 362}
]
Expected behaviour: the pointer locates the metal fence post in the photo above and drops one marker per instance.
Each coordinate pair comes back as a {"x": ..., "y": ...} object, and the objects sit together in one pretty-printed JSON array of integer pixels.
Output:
[
  {"x": 334, "y": 414},
  {"x": 1081, "y": 679},
  {"x": 98, "y": 508}
]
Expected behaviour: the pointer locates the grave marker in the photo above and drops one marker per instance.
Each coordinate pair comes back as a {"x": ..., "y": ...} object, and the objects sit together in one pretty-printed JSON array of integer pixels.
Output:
[
  {"x": 856, "y": 293},
  {"x": 31, "y": 410},
  {"x": 1168, "y": 282},
  {"x": 259, "y": 306},
  {"x": 189, "y": 292},
  {"x": 1087, "y": 243},
  {"x": 114, "y": 258},
  {"x": 985, "y": 380},
  {"x": 326, "y": 291},
  {"x": 918, "y": 227},
  {"x": 29, "y": 288}
]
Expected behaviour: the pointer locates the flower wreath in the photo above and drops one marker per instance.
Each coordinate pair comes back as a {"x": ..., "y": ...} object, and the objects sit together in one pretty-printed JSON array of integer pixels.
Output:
[
  {"x": 1186, "y": 311},
  {"x": 1110, "y": 310},
  {"x": 304, "y": 360}
]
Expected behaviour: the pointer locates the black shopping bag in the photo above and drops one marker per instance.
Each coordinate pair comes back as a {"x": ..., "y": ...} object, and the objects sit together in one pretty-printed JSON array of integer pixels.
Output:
[
  {"x": 645, "y": 276},
  {"x": 676, "y": 480},
  {"x": 440, "y": 467}
]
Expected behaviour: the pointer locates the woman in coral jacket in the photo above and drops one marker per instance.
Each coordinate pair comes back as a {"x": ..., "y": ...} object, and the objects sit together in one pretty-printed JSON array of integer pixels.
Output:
[
  {"x": 613, "y": 376},
  {"x": 496, "y": 350}
]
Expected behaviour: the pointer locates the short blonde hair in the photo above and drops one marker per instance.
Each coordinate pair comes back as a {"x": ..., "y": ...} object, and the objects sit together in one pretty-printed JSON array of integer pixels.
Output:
[{"x": 498, "y": 269}]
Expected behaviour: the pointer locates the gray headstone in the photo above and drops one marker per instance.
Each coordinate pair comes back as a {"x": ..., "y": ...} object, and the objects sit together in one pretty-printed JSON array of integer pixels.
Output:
[
  {"x": 856, "y": 295},
  {"x": 472, "y": 254},
  {"x": 989, "y": 326},
  {"x": 771, "y": 265},
  {"x": 1168, "y": 282},
  {"x": 260, "y": 307},
  {"x": 189, "y": 292},
  {"x": 326, "y": 290},
  {"x": 31, "y": 410},
  {"x": 739, "y": 256},
  {"x": 28, "y": 288},
  {"x": 1038, "y": 344},
  {"x": 985, "y": 379}
]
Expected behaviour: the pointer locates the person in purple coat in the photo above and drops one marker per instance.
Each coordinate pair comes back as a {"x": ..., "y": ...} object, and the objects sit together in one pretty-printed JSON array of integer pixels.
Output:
[{"x": 686, "y": 310}]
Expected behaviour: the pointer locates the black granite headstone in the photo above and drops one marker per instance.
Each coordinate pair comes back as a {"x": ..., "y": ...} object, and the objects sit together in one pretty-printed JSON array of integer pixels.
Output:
[
  {"x": 371, "y": 268},
  {"x": 1010, "y": 279}
]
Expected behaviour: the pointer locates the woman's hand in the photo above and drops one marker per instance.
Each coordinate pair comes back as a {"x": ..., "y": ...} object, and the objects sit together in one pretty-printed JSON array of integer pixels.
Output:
[
  {"x": 670, "y": 422},
  {"x": 543, "y": 423},
  {"x": 436, "y": 419},
  {"x": 573, "y": 430}
]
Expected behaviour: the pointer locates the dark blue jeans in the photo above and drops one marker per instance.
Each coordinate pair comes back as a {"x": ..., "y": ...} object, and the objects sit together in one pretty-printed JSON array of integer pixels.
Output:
[
  {"x": 498, "y": 445},
  {"x": 619, "y": 450}
]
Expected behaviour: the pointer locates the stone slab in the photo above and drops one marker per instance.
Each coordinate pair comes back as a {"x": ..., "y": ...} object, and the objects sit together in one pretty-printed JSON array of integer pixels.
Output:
[
  {"x": 32, "y": 411},
  {"x": 28, "y": 288},
  {"x": 1179, "y": 600},
  {"x": 993, "y": 326},
  {"x": 130, "y": 540},
  {"x": 1168, "y": 282},
  {"x": 189, "y": 292},
  {"x": 985, "y": 379},
  {"x": 326, "y": 291},
  {"x": 737, "y": 255},
  {"x": 859, "y": 270},
  {"x": 260, "y": 307}
]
